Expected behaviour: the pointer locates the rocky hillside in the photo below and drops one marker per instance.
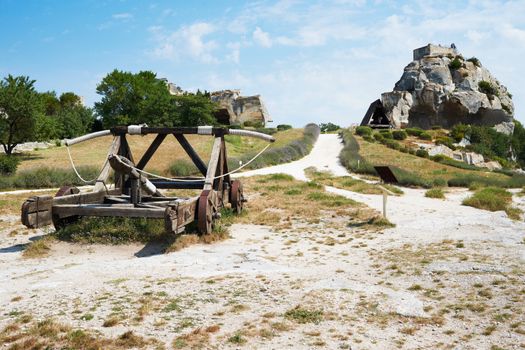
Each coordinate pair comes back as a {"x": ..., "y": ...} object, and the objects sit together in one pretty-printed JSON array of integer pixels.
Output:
[{"x": 440, "y": 87}]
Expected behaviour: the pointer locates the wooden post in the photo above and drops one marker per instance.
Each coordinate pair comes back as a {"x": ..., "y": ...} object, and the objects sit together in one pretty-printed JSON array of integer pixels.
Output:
[
  {"x": 385, "y": 196},
  {"x": 212, "y": 165}
]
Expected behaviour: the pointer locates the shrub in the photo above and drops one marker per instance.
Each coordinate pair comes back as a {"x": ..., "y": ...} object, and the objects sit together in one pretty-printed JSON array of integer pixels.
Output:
[
  {"x": 269, "y": 131},
  {"x": 439, "y": 182},
  {"x": 282, "y": 127},
  {"x": 489, "y": 198},
  {"x": 487, "y": 88},
  {"x": 378, "y": 137},
  {"x": 48, "y": 177},
  {"x": 466, "y": 180},
  {"x": 445, "y": 140},
  {"x": 368, "y": 138},
  {"x": 425, "y": 136},
  {"x": 455, "y": 163},
  {"x": 350, "y": 157},
  {"x": 387, "y": 134},
  {"x": 294, "y": 150},
  {"x": 392, "y": 144},
  {"x": 8, "y": 164},
  {"x": 329, "y": 127},
  {"x": 253, "y": 124},
  {"x": 363, "y": 130},
  {"x": 422, "y": 153},
  {"x": 406, "y": 178},
  {"x": 183, "y": 167},
  {"x": 414, "y": 131},
  {"x": 474, "y": 60},
  {"x": 435, "y": 193},
  {"x": 455, "y": 63},
  {"x": 399, "y": 134},
  {"x": 459, "y": 131}
]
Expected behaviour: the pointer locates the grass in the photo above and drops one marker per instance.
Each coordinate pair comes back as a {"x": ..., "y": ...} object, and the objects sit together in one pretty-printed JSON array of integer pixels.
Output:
[
  {"x": 39, "y": 248},
  {"x": 435, "y": 193},
  {"x": 49, "y": 334},
  {"x": 417, "y": 171},
  {"x": 302, "y": 315},
  {"x": 348, "y": 183},
  {"x": 493, "y": 199},
  {"x": 278, "y": 199},
  {"x": 113, "y": 230},
  {"x": 170, "y": 158}
]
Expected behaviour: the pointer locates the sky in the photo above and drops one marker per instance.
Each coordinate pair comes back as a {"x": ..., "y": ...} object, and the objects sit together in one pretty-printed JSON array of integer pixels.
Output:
[{"x": 311, "y": 61}]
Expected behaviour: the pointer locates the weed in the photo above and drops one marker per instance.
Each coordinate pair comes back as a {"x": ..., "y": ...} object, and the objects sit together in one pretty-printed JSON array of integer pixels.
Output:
[
  {"x": 237, "y": 338},
  {"x": 39, "y": 248},
  {"x": 435, "y": 193},
  {"x": 301, "y": 315}
]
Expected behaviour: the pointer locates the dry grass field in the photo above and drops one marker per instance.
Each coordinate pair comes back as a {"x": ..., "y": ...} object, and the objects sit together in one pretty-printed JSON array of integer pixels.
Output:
[{"x": 94, "y": 152}]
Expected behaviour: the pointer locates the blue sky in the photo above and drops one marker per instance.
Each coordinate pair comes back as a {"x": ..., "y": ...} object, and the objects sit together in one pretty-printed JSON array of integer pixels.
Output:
[{"x": 310, "y": 60}]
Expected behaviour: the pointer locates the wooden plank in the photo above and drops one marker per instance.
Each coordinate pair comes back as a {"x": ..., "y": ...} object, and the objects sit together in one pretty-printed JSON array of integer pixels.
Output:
[
  {"x": 86, "y": 198},
  {"x": 151, "y": 150},
  {"x": 212, "y": 165},
  {"x": 38, "y": 219},
  {"x": 37, "y": 203},
  {"x": 104, "y": 174},
  {"x": 195, "y": 158},
  {"x": 65, "y": 210},
  {"x": 180, "y": 214}
]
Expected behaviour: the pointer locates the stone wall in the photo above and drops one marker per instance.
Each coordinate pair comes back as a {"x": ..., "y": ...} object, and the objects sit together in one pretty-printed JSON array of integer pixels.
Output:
[
  {"x": 433, "y": 50},
  {"x": 241, "y": 109}
]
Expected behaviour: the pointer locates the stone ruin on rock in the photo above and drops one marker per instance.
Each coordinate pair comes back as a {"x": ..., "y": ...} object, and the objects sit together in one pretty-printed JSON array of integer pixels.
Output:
[
  {"x": 237, "y": 109},
  {"x": 440, "y": 87}
]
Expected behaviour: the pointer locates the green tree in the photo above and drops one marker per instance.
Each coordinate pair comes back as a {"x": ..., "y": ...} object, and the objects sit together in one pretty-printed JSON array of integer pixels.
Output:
[
  {"x": 74, "y": 120},
  {"x": 518, "y": 142},
  {"x": 129, "y": 98},
  {"x": 193, "y": 109},
  {"x": 20, "y": 105}
]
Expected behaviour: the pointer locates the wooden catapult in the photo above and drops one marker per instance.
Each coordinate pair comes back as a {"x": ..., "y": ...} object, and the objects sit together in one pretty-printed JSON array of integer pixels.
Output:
[{"x": 134, "y": 195}]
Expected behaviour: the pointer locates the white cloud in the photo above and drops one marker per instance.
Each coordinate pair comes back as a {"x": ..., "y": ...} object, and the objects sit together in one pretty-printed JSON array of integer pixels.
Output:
[
  {"x": 122, "y": 16},
  {"x": 187, "y": 41},
  {"x": 262, "y": 38}
]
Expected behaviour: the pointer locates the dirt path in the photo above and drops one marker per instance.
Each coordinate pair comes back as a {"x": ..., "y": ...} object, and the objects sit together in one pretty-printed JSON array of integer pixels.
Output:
[{"x": 442, "y": 278}]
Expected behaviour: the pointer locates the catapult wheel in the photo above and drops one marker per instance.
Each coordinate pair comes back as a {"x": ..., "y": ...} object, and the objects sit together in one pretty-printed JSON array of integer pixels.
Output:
[
  {"x": 208, "y": 211},
  {"x": 236, "y": 196},
  {"x": 62, "y": 222}
]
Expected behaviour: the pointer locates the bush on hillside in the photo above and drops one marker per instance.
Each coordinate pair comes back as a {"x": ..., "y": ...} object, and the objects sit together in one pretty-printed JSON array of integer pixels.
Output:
[
  {"x": 487, "y": 88},
  {"x": 399, "y": 134},
  {"x": 183, "y": 167},
  {"x": 378, "y": 137},
  {"x": 8, "y": 164},
  {"x": 425, "y": 136},
  {"x": 283, "y": 127},
  {"x": 414, "y": 131},
  {"x": 387, "y": 134},
  {"x": 422, "y": 153},
  {"x": 363, "y": 130}
]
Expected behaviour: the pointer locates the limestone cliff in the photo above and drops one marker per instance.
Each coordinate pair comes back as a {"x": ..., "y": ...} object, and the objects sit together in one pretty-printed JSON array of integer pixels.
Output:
[{"x": 440, "y": 87}]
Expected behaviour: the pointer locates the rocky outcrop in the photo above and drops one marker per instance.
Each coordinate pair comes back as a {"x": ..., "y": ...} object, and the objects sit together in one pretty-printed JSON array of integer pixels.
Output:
[
  {"x": 440, "y": 87},
  {"x": 237, "y": 109}
]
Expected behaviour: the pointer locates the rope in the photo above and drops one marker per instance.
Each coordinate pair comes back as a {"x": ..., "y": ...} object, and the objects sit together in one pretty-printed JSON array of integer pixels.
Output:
[
  {"x": 202, "y": 178},
  {"x": 88, "y": 182}
]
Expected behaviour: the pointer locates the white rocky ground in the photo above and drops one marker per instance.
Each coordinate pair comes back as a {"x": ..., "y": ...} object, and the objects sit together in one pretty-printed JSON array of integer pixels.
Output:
[{"x": 442, "y": 278}]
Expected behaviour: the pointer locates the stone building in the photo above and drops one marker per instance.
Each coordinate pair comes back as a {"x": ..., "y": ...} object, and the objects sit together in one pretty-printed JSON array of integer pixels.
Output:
[
  {"x": 237, "y": 109},
  {"x": 440, "y": 87}
]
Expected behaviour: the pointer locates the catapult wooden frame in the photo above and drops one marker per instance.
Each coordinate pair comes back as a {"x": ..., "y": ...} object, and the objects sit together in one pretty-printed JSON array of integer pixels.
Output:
[{"x": 136, "y": 196}]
